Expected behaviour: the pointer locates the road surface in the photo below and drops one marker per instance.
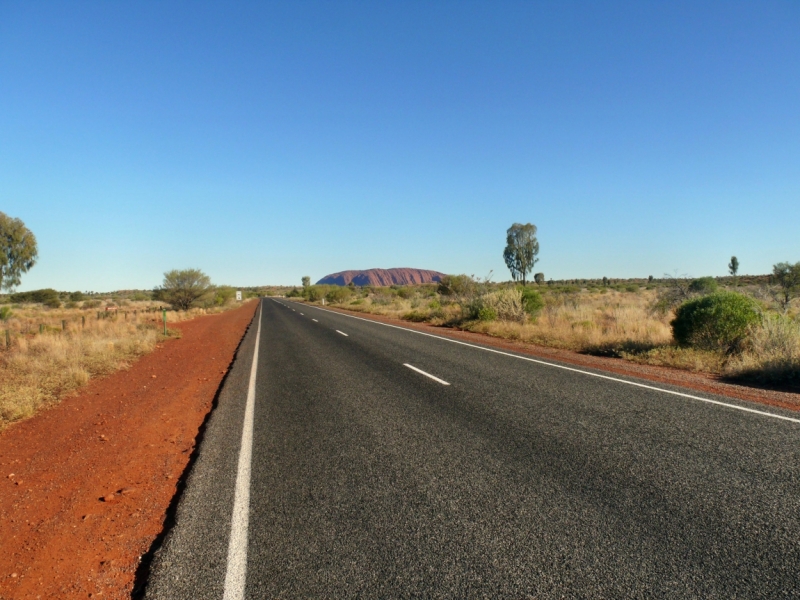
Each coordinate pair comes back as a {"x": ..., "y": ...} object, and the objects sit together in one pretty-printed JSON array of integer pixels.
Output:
[{"x": 388, "y": 463}]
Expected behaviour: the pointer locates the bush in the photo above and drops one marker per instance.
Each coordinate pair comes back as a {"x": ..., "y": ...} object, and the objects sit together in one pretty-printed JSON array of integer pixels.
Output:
[
  {"x": 315, "y": 293},
  {"x": 76, "y": 296},
  {"x": 704, "y": 286},
  {"x": 223, "y": 295},
  {"x": 337, "y": 294},
  {"x": 415, "y": 316},
  {"x": 182, "y": 288},
  {"x": 532, "y": 301},
  {"x": 715, "y": 322},
  {"x": 502, "y": 304},
  {"x": 456, "y": 285},
  {"x": 42, "y": 296},
  {"x": 773, "y": 352},
  {"x": 487, "y": 313}
]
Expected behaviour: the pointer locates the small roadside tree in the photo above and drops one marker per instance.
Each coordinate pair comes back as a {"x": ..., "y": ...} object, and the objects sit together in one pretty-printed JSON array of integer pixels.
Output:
[
  {"x": 18, "y": 251},
  {"x": 182, "y": 288},
  {"x": 306, "y": 281},
  {"x": 521, "y": 251},
  {"x": 787, "y": 276},
  {"x": 733, "y": 268},
  {"x": 539, "y": 278}
]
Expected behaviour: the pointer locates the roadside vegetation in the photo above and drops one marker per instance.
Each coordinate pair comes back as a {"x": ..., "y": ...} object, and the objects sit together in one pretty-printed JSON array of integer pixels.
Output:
[
  {"x": 52, "y": 343},
  {"x": 740, "y": 327}
]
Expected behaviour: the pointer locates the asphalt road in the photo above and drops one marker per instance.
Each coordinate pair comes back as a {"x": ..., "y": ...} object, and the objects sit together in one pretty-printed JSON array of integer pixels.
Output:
[{"x": 504, "y": 478}]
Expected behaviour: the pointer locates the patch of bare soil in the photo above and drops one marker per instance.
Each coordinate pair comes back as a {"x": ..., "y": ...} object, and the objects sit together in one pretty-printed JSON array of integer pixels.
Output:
[
  {"x": 85, "y": 486},
  {"x": 697, "y": 381}
]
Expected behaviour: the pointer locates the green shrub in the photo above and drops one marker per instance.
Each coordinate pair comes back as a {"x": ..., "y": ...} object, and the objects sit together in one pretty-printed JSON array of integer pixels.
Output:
[
  {"x": 314, "y": 293},
  {"x": 76, "y": 296},
  {"x": 631, "y": 287},
  {"x": 532, "y": 301},
  {"x": 703, "y": 285},
  {"x": 487, "y": 313},
  {"x": 405, "y": 293},
  {"x": 91, "y": 304},
  {"x": 41, "y": 296},
  {"x": 338, "y": 294},
  {"x": 415, "y": 316},
  {"x": 715, "y": 322}
]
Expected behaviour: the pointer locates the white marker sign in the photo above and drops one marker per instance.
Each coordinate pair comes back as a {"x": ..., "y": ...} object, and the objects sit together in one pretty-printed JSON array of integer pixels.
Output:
[{"x": 238, "y": 295}]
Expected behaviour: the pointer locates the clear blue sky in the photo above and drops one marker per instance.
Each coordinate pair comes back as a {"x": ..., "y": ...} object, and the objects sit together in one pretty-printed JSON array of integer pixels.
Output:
[{"x": 262, "y": 142}]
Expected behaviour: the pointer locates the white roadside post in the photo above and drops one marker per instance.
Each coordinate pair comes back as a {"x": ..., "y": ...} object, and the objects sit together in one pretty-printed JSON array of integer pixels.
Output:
[{"x": 238, "y": 295}]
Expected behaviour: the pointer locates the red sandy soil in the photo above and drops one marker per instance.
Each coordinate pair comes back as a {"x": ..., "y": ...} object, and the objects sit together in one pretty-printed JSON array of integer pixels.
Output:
[
  {"x": 701, "y": 382},
  {"x": 85, "y": 486},
  {"x": 382, "y": 277}
]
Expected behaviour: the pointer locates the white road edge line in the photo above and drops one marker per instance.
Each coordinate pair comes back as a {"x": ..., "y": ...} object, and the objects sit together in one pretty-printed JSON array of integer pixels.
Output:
[
  {"x": 236, "y": 573},
  {"x": 421, "y": 372},
  {"x": 343, "y": 333},
  {"x": 557, "y": 366}
]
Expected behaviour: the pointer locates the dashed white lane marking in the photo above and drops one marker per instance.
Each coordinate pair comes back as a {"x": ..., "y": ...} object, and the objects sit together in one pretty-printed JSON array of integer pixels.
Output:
[
  {"x": 566, "y": 368},
  {"x": 421, "y": 372},
  {"x": 315, "y": 321},
  {"x": 236, "y": 573},
  {"x": 302, "y": 314},
  {"x": 343, "y": 333}
]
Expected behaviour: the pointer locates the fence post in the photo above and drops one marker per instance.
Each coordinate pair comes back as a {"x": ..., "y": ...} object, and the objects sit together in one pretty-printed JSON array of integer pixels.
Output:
[
  {"x": 63, "y": 324},
  {"x": 8, "y": 339},
  {"x": 41, "y": 327},
  {"x": 165, "y": 321},
  {"x": 83, "y": 321}
]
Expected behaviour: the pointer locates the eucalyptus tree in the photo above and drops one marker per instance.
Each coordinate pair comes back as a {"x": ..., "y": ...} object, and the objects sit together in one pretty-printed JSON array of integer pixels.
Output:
[
  {"x": 521, "y": 251},
  {"x": 18, "y": 251}
]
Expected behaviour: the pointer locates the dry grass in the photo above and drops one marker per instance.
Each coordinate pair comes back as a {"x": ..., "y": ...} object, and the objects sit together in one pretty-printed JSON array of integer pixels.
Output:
[
  {"x": 582, "y": 321},
  {"x": 773, "y": 353},
  {"x": 609, "y": 323},
  {"x": 53, "y": 352}
]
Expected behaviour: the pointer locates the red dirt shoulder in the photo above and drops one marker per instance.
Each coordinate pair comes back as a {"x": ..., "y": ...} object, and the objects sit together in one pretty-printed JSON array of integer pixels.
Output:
[{"x": 94, "y": 475}]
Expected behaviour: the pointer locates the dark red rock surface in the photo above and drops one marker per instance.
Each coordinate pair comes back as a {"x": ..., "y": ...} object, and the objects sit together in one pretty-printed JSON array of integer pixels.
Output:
[{"x": 380, "y": 277}]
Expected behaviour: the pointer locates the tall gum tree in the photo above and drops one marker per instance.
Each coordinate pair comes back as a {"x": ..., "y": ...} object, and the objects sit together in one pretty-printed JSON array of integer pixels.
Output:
[
  {"x": 521, "y": 251},
  {"x": 18, "y": 251}
]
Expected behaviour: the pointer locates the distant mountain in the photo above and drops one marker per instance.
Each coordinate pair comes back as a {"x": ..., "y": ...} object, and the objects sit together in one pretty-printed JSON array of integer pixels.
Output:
[{"x": 379, "y": 277}]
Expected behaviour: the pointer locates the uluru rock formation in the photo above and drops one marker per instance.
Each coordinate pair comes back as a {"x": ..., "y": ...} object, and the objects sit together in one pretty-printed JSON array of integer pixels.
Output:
[{"x": 379, "y": 277}]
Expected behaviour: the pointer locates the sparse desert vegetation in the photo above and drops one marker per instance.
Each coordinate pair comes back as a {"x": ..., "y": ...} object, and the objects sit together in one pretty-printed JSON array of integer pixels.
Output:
[
  {"x": 52, "y": 343},
  {"x": 739, "y": 327}
]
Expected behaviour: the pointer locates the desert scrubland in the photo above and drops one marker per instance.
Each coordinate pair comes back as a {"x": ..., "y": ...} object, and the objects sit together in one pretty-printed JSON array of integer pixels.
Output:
[
  {"x": 631, "y": 320},
  {"x": 47, "y": 352}
]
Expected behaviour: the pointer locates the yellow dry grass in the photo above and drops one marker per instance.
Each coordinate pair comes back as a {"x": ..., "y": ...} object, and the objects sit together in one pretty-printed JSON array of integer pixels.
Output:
[
  {"x": 609, "y": 322},
  {"x": 53, "y": 352}
]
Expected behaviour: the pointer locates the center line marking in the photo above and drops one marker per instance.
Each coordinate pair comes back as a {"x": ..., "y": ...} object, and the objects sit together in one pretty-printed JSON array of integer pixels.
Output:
[
  {"x": 315, "y": 321},
  {"x": 343, "y": 333},
  {"x": 572, "y": 369},
  {"x": 421, "y": 372}
]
